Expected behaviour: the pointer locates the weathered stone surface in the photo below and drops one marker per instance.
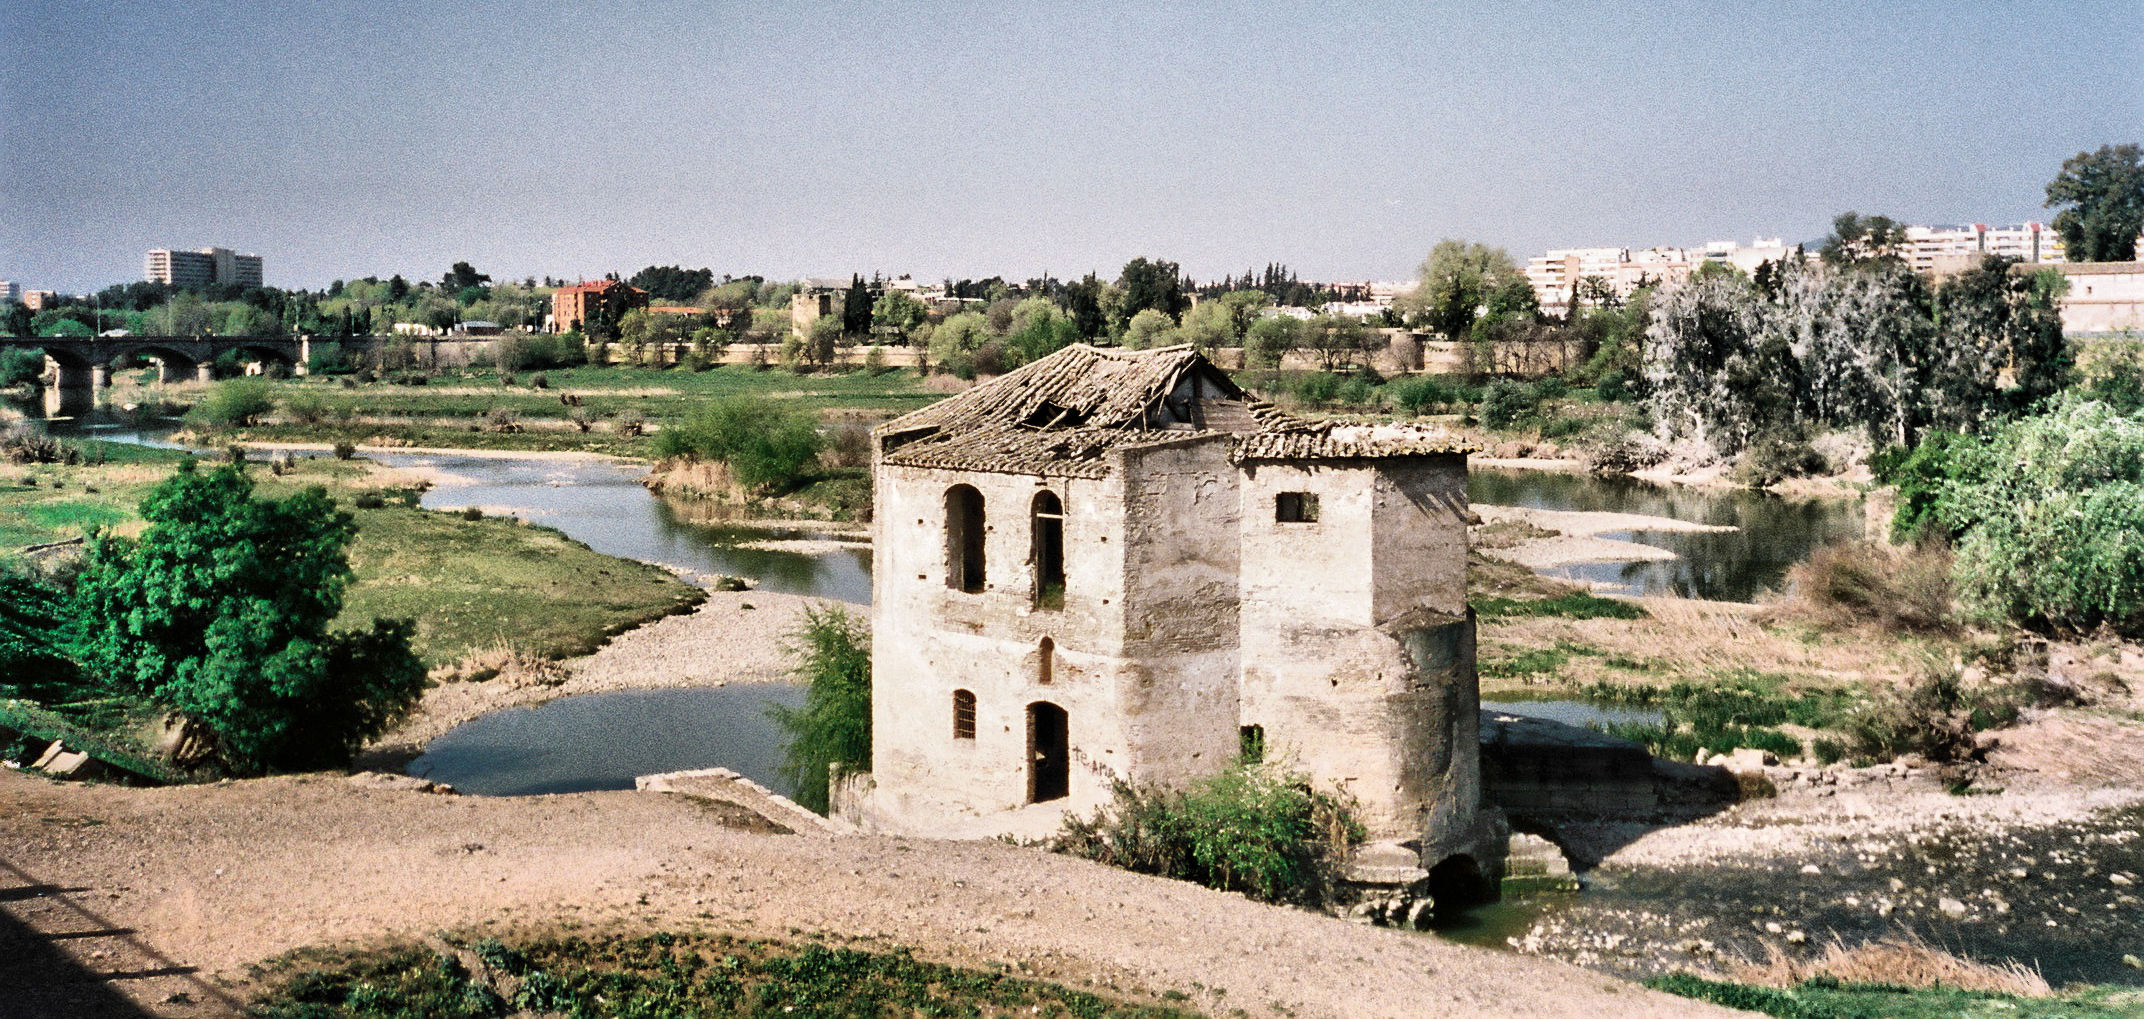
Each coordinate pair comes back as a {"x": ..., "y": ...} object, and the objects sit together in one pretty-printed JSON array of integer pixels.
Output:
[{"x": 400, "y": 783}]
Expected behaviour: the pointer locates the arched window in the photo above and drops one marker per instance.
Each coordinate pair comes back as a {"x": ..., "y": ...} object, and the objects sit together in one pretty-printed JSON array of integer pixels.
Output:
[
  {"x": 1046, "y": 661},
  {"x": 1048, "y": 526},
  {"x": 963, "y": 714},
  {"x": 964, "y": 539}
]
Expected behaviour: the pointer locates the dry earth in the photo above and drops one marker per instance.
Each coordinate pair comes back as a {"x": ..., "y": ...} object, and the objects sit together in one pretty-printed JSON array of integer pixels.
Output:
[{"x": 170, "y": 894}]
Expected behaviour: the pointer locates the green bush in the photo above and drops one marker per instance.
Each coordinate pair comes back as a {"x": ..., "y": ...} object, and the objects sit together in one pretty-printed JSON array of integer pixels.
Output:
[
  {"x": 305, "y": 407},
  {"x": 20, "y": 367},
  {"x": 329, "y": 359},
  {"x": 1506, "y": 403},
  {"x": 2049, "y": 515},
  {"x": 33, "y": 660},
  {"x": 221, "y": 610},
  {"x": 1774, "y": 458},
  {"x": 1420, "y": 394},
  {"x": 1741, "y": 709},
  {"x": 767, "y": 446},
  {"x": 833, "y": 660},
  {"x": 234, "y": 403},
  {"x": 1317, "y": 388},
  {"x": 1257, "y": 829}
]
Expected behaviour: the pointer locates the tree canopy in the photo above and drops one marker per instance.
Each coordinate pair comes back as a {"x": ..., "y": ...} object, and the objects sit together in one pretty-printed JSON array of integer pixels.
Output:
[
  {"x": 221, "y": 610},
  {"x": 1462, "y": 281},
  {"x": 2102, "y": 198},
  {"x": 1856, "y": 239}
]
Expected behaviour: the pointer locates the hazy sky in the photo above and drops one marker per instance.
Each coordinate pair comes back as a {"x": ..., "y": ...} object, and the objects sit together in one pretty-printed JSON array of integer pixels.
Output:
[{"x": 341, "y": 139}]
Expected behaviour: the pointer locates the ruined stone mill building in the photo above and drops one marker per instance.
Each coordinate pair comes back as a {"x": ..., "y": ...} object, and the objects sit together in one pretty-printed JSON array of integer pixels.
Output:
[{"x": 1118, "y": 565}]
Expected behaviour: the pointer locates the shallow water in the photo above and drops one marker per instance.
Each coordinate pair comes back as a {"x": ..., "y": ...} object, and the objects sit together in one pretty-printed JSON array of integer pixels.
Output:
[
  {"x": 1570, "y": 712},
  {"x": 1773, "y": 533},
  {"x": 602, "y": 741}
]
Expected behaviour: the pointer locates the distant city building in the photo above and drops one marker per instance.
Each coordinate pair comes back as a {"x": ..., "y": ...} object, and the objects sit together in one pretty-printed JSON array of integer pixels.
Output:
[
  {"x": 9, "y": 291},
  {"x": 1947, "y": 250},
  {"x": 207, "y": 267},
  {"x": 575, "y": 305},
  {"x": 39, "y": 300},
  {"x": 1599, "y": 275}
]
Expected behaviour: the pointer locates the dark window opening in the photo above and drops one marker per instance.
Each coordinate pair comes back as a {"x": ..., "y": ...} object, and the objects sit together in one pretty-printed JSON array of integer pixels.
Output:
[
  {"x": 1049, "y": 532},
  {"x": 963, "y": 714},
  {"x": 1251, "y": 742},
  {"x": 1046, "y": 664},
  {"x": 1049, "y": 753},
  {"x": 1296, "y": 508},
  {"x": 964, "y": 539}
]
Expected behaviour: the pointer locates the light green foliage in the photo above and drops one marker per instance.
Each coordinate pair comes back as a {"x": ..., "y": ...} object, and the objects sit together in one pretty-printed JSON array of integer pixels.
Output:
[
  {"x": 1255, "y": 828},
  {"x": 221, "y": 610},
  {"x": 2050, "y": 514},
  {"x": 1338, "y": 341},
  {"x": 832, "y": 650},
  {"x": 1209, "y": 325},
  {"x": 235, "y": 403},
  {"x": 1269, "y": 341},
  {"x": 1150, "y": 328},
  {"x": 1458, "y": 280},
  {"x": 766, "y": 445},
  {"x": 953, "y": 345},
  {"x": 1038, "y": 329},
  {"x": 899, "y": 312},
  {"x": 2111, "y": 371},
  {"x": 2104, "y": 192}
]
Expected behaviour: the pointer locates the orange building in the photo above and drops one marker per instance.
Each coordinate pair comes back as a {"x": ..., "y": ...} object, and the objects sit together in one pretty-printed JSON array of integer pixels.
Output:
[{"x": 576, "y": 304}]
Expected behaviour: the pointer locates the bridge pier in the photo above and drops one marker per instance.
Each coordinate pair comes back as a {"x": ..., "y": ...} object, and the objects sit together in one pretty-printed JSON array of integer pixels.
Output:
[
  {"x": 100, "y": 376},
  {"x": 204, "y": 372}
]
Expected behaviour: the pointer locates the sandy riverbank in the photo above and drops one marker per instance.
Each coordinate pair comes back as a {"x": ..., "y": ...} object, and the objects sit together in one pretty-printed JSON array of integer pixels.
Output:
[{"x": 1569, "y": 537}]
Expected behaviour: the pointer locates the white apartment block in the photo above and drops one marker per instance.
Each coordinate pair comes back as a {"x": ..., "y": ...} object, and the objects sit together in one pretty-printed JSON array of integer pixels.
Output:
[
  {"x": 1944, "y": 250},
  {"x": 1557, "y": 274},
  {"x": 10, "y": 291},
  {"x": 203, "y": 268}
]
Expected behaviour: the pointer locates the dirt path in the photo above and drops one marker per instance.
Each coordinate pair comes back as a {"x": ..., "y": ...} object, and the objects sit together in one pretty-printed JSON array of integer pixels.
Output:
[{"x": 213, "y": 878}]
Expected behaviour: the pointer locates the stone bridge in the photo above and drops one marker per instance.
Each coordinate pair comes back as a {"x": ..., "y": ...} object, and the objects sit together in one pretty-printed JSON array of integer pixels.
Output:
[{"x": 84, "y": 362}]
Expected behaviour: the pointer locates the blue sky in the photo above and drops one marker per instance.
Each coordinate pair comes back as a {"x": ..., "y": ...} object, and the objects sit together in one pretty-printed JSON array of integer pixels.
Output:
[{"x": 341, "y": 139}]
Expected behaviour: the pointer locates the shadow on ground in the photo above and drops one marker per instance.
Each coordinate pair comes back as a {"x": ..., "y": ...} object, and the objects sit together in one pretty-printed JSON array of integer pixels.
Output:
[{"x": 59, "y": 958}]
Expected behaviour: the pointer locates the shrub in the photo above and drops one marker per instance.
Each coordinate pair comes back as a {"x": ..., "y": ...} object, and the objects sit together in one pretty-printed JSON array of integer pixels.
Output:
[
  {"x": 832, "y": 650},
  {"x": 220, "y": 610},
  {"x": 22, "y": 444},
  {"x": 766, "y": 446},
  {"x": 1506, "y": 403},
  {"x": 875, "y": 361},
  {"x": 329, "y": 359},
  {"x": 502, "y": 419},
  {"x": 1419, "y": 394},
  {"x": 344, "y": 449},
  {"x": 20, "y": 367},
  {"x": 1257, "y": 829},
  {"x": 1773, "y": 458},
  {"x": 539, "y": 381},
  {"x": 850, "y": 446},
  {"x": 472, "y": 513},
  {"x": 305, "y": 407},
  {"x": 1627, "y": 455},
  {"x": 1317, "y": 388},
  {"x": 33, "y": 659},
  {"x": 370, "y": 500},
  {"x": 1934, "y": 714},
  {"x": 234, "y": 403}
]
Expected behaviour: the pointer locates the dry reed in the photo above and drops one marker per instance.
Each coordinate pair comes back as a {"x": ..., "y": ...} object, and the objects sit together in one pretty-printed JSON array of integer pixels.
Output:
[{"x": 1903, "y": 959}]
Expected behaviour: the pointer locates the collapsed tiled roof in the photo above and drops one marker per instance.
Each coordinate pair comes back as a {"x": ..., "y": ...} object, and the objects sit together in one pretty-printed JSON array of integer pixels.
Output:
[{"x": 1061, "y": 415}]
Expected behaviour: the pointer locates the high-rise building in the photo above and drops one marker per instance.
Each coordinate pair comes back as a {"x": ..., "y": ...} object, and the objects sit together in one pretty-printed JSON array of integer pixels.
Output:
[
  {"x": 9, "y": 291},
  {"x": 39, "y": 300},
  {"x": 203, "y": 268}
]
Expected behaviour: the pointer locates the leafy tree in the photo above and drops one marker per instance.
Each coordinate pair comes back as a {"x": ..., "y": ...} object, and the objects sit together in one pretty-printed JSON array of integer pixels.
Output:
[
  {"x": 1151, "y": 285},
  {"x": 956, "y": 341},
  {"x": 2103, "y": 193},
  {"x": 766, "y": 446},
  {"x": 235, "y": 403},
  {"x": 1461, "y": 282},
  {"x": 33, "y": 657},
  {"x": 1209, "y": 325},
  {"x": 1338, "y": 341},
  {"x": 672, "y": 284},
  {"x": 15, "y": 319},
  {"x": 1083, "y": 302},
  {"x": 65, "y": 327},
  {"x": 1994, "y": 323},
  {"x": 899, "y": 313},
  {"x": 20, "y": 366},
  {"x": 397, "y": 288},
  {"x": 221, "y": 611},
  {"x": 462, "y": 276},
  {"x": 1039, "y": 328},
  {"x": 1269, "y": 341},
  {"x": 646, "y": 335},
  {"x": 832, "y": 650},
  {"x": 1856, "y": 238},
  {"x": 1718, "y": 371},
  {"x": 1149, "y": 328}
]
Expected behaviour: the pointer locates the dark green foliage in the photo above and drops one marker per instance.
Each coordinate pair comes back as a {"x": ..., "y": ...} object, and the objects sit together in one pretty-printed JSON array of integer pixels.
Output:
[
  {"x": 2103, "y": 193},
  {"x": 1506, "y": 404},
  {"x": 33, "y": 661},
  {"x": 20, "y": 366},
  {"x": 767, "y": 446},
  {"x": 1422, "y": 394},
  {"x": 1921, "y": 476},
  {"x": 672, "y": 976},
  {"x": 833, "y": 654},
  {"x": 1576, "y": 605},
  {"x": 1823, "y": 998},
  {"x": 537, "y": 351},
  {"x": 1253, "y": 828},
  {"x": 221, "y": 610},
  {"x": 234, "y": 403}
]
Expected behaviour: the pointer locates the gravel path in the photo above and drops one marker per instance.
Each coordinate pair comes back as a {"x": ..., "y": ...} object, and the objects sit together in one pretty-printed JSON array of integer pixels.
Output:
[{"x": 188, "y": 886}]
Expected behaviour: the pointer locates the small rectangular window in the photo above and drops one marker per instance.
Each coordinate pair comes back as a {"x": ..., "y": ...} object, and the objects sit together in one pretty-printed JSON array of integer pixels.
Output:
[
  {"x": 1296, "y": 508},
  {"x": 963, "y": 715}
]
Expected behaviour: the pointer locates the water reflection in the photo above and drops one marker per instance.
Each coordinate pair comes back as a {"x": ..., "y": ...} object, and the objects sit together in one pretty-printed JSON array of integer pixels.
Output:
[
  {"x": 1773, "y": 533},
  {"x": 602, "y": 741}
]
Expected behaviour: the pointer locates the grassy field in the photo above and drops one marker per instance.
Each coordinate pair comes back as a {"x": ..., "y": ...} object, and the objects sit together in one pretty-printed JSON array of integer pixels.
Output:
[
  {"x": 1834, "y": 1000},
  {"x": 663, "y": 975},
  {"x": 469, "y": 584},
  {"x": 463, "y": 409}
]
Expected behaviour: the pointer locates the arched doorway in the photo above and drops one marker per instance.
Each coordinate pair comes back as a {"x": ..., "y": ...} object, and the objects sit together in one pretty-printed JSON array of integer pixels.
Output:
[{"x": 1049, "y": 753}]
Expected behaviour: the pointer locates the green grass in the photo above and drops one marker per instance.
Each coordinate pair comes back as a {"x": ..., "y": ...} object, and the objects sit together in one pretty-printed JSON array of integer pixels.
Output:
[
  {"x": 1576, "y": 605},
  {"x": 446, "y": 410},
  {"x": 1739, "y": 708},
  {"x": 1819, "y": 999},
  {"x": 661, "y": 976}
]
